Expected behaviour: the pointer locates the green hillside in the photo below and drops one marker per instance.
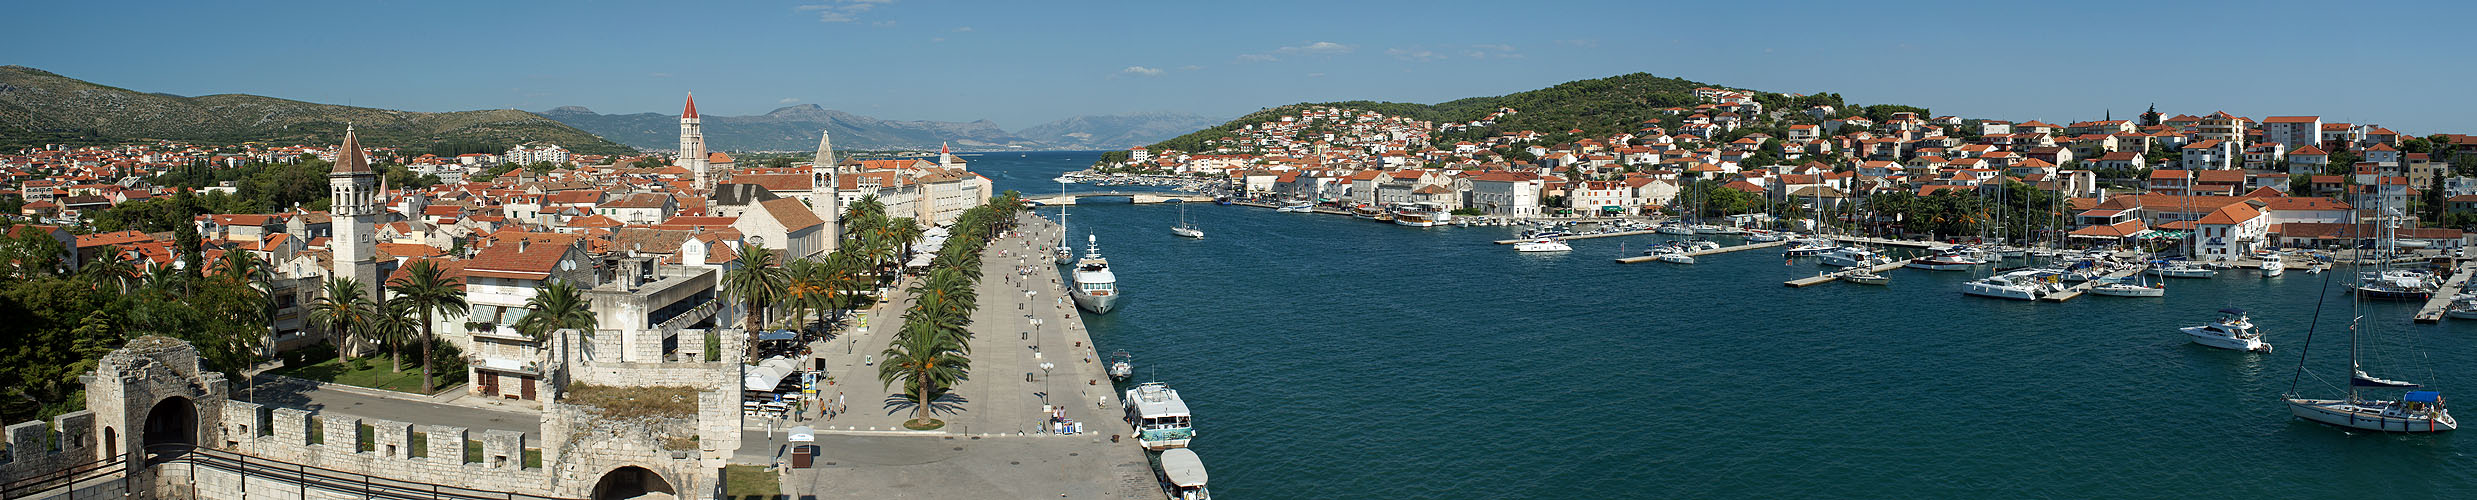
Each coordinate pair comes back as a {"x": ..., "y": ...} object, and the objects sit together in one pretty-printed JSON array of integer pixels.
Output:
[
  {"x": 1599, "y": 106},
  {"x": 38, "y": 107}
]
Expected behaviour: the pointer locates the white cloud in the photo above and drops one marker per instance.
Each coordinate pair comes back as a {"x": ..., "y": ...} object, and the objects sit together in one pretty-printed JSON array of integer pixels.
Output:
[
  {"x": 1315, "y": 48},
  {"x": 1141, "y": 71},
  {"x": 788, "y": 100},
  {"x": 842, "y": 11},
  {"x": 1416, "y": 55}
]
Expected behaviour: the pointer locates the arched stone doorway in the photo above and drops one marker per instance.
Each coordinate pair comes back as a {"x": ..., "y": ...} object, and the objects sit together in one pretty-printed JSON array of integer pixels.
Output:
[
  {"x": 632, "y": 482},
  {"x": 171, "y": 427}
]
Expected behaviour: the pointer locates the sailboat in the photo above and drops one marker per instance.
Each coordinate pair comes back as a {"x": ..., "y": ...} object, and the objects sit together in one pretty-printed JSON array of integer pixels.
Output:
[
  {"x": 2137, "y": 288},
  {"x": 1183, "y": 228},
  {"x": 2415, "y": 411}
]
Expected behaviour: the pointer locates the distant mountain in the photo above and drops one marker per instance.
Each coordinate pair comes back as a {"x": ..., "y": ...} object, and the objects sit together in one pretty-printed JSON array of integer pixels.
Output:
[
  {"x": 791, "y": 128},
  {"x": 1114, "y": 131},
  {"x": 38, "y": 107}
]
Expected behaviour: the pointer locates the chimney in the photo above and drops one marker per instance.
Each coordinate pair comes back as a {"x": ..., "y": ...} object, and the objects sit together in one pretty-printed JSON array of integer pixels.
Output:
[{"x": 522, "y": 244}]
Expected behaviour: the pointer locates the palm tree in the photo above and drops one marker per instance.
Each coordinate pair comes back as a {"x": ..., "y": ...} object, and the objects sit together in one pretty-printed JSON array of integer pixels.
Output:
[
  {"x": 556, "y": 305},
  {"x": 428, "y": 290},
  {"x": 392, "y": 325},
  {"x": 755, "y": 281},
  {"x": 345, "y": 311},
  {"x": 902, "y": 233},
  {"x": 927, "y": 359},
  {"x": 110, "y": 271}
]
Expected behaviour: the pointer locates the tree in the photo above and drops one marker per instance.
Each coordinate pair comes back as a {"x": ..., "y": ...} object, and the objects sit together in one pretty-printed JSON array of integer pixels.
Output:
[
  {"x": 927, "y": 360},
  {"x": 345, "y": 311},
  {"x": 109, "y": 271},
  {"x": 755, "y": 282},
  {"x": 555, "y": 306},
  {"x": 427, "y": 290},
  {"x": 393, "y": 324}
]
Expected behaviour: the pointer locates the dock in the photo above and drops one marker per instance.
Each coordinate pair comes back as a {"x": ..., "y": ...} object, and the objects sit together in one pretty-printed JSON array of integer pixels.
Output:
[
  {"x": 2084, "y": 287},
  {"x": 1585, "y": 236},
  {"x": 1889, "y": 242},
  {"x": 2441, "y": 303},
  {"x": 1836, "y": 276},
  {"x": 1700, "y": 253}
]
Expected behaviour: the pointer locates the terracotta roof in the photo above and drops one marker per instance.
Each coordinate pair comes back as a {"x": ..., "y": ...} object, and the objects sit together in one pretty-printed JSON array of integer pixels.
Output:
[
  {"x": 522, "y": 255},
  {"x": 691, "y": 111},
  {"x": 791, "y": 213},
  {"x": 351, "y": 160}
]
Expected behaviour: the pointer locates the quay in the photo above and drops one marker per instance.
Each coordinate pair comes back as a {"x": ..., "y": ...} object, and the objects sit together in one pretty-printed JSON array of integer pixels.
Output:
[
  {"x": 1836, "y": 275},
  {"x": 2441, "y": 303},
  {"x": 2084, "y": 287},
  {"x": 1700, "y": 253}
]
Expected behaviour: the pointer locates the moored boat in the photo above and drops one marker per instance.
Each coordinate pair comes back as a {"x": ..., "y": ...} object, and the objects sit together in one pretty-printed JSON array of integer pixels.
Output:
[
  {"x": 1096, "y": 288},
  {"x": 2232, "y": 331},
  {"x": 1161, "y": 419},
  {"x": 1182, "y": 475},
  {"x": 1542, "y": 245}
]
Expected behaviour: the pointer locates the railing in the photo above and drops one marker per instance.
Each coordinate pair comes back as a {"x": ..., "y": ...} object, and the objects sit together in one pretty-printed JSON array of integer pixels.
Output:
[
  {"x": 304, "y": 477},
  {"x": 66, "y": 477}
]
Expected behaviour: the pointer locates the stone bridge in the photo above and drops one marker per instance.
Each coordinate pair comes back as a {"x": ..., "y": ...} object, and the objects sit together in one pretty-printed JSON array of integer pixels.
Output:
[{"x": 1137, "y": 197}]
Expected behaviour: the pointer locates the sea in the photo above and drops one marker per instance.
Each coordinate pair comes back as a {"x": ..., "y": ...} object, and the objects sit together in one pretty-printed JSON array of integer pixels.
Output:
[{"x": 1328, "y": 357}]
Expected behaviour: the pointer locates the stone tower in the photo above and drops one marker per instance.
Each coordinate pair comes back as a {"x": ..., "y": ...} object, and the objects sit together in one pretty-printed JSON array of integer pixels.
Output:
[
  {"x": 354, "y": 203},
  {"x": 692, "y": 145},
  {"x": 825, "y": 181}
]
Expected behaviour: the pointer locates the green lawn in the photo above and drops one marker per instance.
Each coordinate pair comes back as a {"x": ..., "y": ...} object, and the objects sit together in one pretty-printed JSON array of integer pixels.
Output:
[
  {"x": 373, "y": 375},
  {"x": 749, "y": 482}
]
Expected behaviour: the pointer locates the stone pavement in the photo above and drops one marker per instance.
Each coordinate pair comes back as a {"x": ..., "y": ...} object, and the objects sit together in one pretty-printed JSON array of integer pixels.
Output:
[{"x": 450, "y": 409}]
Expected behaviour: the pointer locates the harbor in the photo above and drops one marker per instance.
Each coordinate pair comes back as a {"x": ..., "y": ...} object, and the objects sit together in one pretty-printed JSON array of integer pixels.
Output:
[{"x": 1820, "y": 360}]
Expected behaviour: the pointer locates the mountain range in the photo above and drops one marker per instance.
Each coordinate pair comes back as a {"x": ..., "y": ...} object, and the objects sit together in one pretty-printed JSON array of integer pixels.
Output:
[
  {"x": 38, "y": 107},
  {"x": 794, "y": 128}
]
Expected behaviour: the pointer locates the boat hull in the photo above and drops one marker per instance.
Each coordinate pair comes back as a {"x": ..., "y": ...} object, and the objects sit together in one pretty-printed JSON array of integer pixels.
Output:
[
  {"x": 1677, "y": 259},
  {"x": 2131, "y": 291},
  {"x": 2000, "y": 292},
  {"x": 1868, "y": 280},
  {"x": 2376, "y": 293},
  {"x": 1937, "y": 266},
  {"x": 2202, "y": 335},
  {"x": 1098, "y": 304},
  {"x": 2350, "y": 415},
  {"x": 2183, "y": 273}
]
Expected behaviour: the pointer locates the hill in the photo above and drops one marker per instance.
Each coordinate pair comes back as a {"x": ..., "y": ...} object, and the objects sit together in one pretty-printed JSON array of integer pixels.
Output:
[
  {"x": 1114, "y": 131},
  {"x": 38, "y": 107},
  {"x": 1599, "y": 106},
  {"x": 791, "y": 128}
]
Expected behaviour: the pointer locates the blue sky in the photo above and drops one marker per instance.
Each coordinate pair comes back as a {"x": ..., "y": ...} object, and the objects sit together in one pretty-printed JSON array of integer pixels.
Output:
[{"x": 1022, "y": 63}]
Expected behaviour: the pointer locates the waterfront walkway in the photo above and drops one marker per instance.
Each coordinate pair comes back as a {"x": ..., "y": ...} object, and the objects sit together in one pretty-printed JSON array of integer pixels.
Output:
[
  {"x": 993, "y": 444},
  {"x": 2441, "y": 303}
]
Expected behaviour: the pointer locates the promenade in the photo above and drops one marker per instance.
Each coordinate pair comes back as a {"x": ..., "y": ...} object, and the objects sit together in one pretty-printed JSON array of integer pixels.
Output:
[{"x": 1029, "y": 350}]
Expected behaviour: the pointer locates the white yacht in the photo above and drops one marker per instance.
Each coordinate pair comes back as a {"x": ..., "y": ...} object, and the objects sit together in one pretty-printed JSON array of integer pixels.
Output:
[
  {"x": 2130, "y": 290},
  {"x": 1296, "y": 208},
  {"x": 2181, "y": 269},
  {"x": 1542, "y": 245},
  {"x": 2016, "y": 286},
  {"x": 1765, "y": 236},
  {"x": 2233, "y": 331},
  {"x": 1096, "y": 289},
  {"x": 2273, "y": 266},
  {"x": 1675, "y": 228},
  {"x": 1849, "y": 256},
  {"x": 1862, "y": 277},
  {"x": 1944, "y": 262},
  {"x": 1701, "y": 245},
  {"x": 1161, "y": 419},
  {"x": 1673, "y": 253},
  {"x": 1808, "y": 248}
]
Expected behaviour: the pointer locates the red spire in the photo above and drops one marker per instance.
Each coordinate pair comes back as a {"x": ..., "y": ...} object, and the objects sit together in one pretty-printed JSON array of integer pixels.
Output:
[
  {"x": 691, "y": 112},
  {"x": 941, "y": 148}
]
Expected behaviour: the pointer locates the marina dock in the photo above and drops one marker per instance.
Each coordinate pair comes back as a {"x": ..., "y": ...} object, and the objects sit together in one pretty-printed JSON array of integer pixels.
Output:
[
  {"x": 1721, "y": 250},
  {"x": 2441, "y": 303},
  {"x": 1585, "y": 236},
  {"x": 2084, "y": 287},
  {"x": 1889, "y": 242},
  {"x": 1835, "y": 276}
]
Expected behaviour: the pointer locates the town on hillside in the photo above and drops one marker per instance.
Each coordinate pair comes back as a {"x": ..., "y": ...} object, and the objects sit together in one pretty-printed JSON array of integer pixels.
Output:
[{"x": 2292, "y": 179}]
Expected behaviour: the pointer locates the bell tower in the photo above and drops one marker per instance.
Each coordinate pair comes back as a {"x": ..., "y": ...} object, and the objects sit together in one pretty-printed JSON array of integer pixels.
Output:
[{"x": 353, "y": 202}]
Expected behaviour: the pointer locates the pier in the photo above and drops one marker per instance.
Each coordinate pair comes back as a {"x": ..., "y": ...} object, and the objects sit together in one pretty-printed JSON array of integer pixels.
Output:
[
  {"x": 1836, "y": 275},
  {"x": 1139, "y": 198},
  {"x": 1700, "y": 253},
  {"x": 2441, "y": 303}
]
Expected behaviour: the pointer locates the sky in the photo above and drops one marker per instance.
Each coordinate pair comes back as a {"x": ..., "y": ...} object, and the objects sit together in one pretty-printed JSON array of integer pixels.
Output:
[{"x": 1022, "y": 63}]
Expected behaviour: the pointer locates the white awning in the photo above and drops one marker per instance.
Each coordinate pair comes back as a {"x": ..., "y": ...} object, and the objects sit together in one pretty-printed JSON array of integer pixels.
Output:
[
  {"x": 768, "y": 374},
  {"x": 1183, "y": 468},
  {"x": 803, "y": 434}
]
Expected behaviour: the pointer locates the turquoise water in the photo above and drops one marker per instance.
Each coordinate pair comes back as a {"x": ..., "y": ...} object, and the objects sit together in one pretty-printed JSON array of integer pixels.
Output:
[{"x": 1327, "y": 357}]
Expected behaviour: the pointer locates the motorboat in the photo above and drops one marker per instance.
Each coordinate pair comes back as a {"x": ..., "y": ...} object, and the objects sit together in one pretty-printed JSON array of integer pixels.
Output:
[
  {"x": 1865, "y": 278},
  {"x": 2273, "y": 266},
  {"x": 2130, "y": 290},
  {"x": 1296, "y": 208},
  {"x": 1121, "y": 366},
  {"x": 1765, "y": 237},
  {"x": 1700, "y": 245},
  {"x": 1182, "y": 475},
  {"x": 1808, "y": 248},
  {"x": 1096, "y": 288},
  {"x": 1542, "y": 245},
  {"x": 1849, "y": 256},
  {"x": 1676, "y": 229},
  {"x": 1160, "y": 417},
  {"x": 2015, "y": 286},
  {"x": 1943, "y": 262},
  {"x": 2232, "y": 331},
  {"x": 2181, "y": 269}
]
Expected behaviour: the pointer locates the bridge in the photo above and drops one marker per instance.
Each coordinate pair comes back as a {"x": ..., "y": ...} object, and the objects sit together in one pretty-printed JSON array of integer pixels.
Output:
[{"x": 1137, "y": 197}]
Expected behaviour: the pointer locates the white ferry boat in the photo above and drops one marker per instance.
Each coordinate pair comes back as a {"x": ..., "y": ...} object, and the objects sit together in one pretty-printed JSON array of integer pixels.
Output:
[
  {"x": 1096, "y": 288},
  {"x": 1161, "y": 419}
]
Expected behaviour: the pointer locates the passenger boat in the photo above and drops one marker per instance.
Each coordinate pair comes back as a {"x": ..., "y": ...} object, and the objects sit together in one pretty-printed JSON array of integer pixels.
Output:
[
  {"x": 1160, "y": 417},
  {"x": 1365, "y": 212},
  {"x": 2232, "y": 331},
  {"x": 1423, "y": 215},
  {"x": 1096, "y": 288},
  {"x": 1543, "y": 244},
  {"x": 1182, "y": 475}
]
